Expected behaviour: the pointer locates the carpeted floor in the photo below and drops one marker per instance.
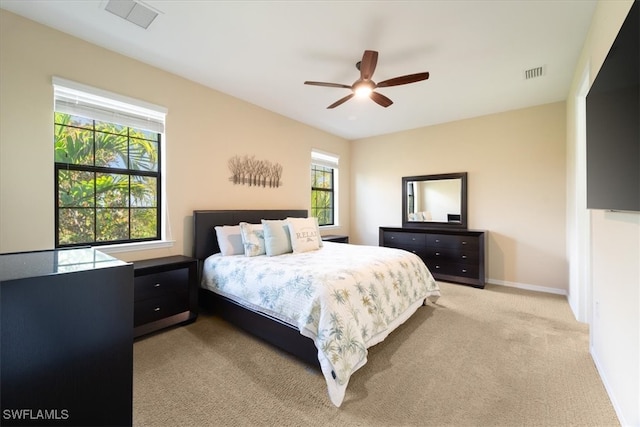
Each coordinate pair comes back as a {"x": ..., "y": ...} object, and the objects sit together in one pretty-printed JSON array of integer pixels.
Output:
[{"x": 493, "y": 357}]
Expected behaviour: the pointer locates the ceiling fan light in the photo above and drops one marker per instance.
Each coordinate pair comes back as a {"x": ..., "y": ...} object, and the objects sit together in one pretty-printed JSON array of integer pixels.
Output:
[
  {"x": 363, "y": 89},
  {"x": 363, "y": 92}
]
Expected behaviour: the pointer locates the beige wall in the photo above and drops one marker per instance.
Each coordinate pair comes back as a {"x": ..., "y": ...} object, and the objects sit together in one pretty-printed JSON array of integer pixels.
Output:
[
  {"x": 516, "y": 186},
  {"x": 515, "y": 161},
  {"x": 204, "y": 129},
  {"x": 612, "y": 241}
]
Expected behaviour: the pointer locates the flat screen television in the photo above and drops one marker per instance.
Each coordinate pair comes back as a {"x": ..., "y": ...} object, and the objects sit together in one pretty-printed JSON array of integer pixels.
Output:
[{"x": 613, "y": 124}]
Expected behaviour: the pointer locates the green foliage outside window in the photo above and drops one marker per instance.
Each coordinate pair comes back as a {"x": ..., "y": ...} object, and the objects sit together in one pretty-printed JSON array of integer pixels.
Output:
[
  {"x": 322, "y": 191},
  {"x": 107, "y": 182}
]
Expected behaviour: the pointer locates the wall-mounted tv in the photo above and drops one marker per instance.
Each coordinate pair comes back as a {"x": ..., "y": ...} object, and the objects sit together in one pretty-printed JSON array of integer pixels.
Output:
[{"x": 613, "y": 124}]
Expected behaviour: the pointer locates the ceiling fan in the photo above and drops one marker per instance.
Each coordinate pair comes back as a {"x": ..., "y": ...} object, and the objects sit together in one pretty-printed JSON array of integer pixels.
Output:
[{"x": 365, "y": 86}]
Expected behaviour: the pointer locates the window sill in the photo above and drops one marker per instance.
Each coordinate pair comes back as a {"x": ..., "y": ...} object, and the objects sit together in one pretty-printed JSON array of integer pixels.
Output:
[
  {"x": 139, "y": 246},
  {"x": 329, "y": 227}
]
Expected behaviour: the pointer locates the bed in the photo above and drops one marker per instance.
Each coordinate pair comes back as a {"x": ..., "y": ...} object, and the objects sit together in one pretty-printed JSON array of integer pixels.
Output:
[{"x": 326, "y": 306}]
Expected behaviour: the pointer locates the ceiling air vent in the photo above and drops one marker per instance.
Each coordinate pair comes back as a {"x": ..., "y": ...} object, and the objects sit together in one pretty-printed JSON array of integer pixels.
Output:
[
  {"x": 532, "y": 73},
  {"x": 132, "y": 11}
]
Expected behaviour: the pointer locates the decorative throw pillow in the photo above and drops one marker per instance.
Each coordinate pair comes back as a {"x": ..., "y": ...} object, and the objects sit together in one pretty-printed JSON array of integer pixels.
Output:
[
  {"x": 304, "y": 233},
  {"x": 252, "y": 239},
  {"x": 229, "y": 240},
  {"x": 276, "y": 237}
]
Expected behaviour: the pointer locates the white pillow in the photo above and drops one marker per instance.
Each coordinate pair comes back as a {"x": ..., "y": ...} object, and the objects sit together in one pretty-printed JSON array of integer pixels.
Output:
[
  {"x": 229, "y": 239},
  {"x": 276, "y": 237},
  {"x": 304, "y": 233},
  {"x": 252, "y": 239}
]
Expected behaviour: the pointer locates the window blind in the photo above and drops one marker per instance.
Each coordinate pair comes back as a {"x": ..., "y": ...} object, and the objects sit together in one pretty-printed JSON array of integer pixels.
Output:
[
  {"x": 322, "y": 158},
  {"x": 81, "y": 100}
]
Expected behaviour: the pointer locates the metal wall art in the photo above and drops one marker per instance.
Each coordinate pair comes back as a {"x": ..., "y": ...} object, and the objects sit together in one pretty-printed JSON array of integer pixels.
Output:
[{"x": 252, "y": 172}]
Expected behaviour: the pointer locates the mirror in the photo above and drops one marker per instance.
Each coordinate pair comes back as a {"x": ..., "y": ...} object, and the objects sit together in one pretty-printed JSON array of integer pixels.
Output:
[{"x": 432, "y": 201}]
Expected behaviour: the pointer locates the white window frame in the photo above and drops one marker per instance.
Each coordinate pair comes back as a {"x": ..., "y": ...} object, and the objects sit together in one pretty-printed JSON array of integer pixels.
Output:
[
  {"x": 330, "y": 160},
  {"x": 79, "y": 99}
]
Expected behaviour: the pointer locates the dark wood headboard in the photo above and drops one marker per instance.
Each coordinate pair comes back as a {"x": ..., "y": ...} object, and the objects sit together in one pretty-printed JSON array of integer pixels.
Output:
[{"x": 205, "y": 242}]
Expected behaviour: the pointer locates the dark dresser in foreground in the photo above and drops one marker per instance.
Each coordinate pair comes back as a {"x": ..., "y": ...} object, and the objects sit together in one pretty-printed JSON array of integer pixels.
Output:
[
  {"x": 165, "y": 293},
  {"x": 452, "y": 255},
  {"x": 66, "y": 341}
]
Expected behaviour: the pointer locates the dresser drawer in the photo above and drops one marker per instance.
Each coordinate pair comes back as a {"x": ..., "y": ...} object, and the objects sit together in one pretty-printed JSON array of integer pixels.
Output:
[
  {"x": 401, "y": 240},
  {"x": 462, "y": 255},
  {"x": 412, "y": 242},
  {"x": 153, "y": 309},
  {"x": 452, "y": 269},
  {"x": 452, "y": 241}
]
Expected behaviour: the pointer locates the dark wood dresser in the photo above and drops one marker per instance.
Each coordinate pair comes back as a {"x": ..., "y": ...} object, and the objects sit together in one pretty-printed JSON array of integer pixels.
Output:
[
  {"x": 66, "y": 339},
  {"x": 165, "y": 293},
  {"x": 452, "y": 255}
]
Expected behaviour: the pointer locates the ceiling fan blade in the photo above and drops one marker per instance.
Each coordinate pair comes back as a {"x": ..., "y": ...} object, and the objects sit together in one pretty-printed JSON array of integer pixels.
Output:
[
  {"x": 403, "y": 80},
  {"x": 368, "y": 64},
  {"x": 380, "y": 99},
  {"x": 341, "y": 101},
  {"x": 327, "y": 84}
]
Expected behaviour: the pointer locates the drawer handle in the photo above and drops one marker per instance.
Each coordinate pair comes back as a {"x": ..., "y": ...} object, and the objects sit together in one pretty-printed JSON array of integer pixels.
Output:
[
  {"x": 437, "y": 240},
  {"x": 156, "y": 309},
  {"x": 157, "y": 285},
  {"x": 437, "y": 253},
  {"x": 437, "y": 266},
  {"x": 464, "y": 271},
  {"x": 464, "y": 257},
  {"x": 393, "y": 237},
  {"x": 464, "y": 243}
]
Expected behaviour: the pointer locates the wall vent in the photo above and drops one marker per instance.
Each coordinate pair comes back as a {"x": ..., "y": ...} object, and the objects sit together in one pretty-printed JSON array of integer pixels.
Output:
[
  {"x": 132, "y": 11},
  {"x": 532, "y": 73}
]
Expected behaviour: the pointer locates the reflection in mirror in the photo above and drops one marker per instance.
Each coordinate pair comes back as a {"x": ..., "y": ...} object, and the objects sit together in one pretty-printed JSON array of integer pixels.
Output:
[
  {"x": 438, "y": 200},
  {"x": 435, "y": 200}
]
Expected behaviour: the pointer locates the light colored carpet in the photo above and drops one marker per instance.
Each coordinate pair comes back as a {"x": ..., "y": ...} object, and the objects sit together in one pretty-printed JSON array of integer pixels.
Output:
[{"x": 493, "y": 357}]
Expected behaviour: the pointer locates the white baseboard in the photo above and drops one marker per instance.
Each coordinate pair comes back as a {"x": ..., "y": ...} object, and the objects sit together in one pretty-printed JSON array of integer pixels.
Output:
[
  {"x": 528, "y": 287},
  {"x": 603, "y": 377}
]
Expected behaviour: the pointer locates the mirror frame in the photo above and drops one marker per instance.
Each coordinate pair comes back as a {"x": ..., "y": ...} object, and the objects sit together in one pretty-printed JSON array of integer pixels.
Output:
[{"x": 436, "y": 224}]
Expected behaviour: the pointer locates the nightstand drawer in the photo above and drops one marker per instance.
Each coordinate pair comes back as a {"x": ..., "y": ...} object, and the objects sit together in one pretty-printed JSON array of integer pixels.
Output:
[
  {"x": 154, "y": 309},
  {"x": 157, "y": 284}
]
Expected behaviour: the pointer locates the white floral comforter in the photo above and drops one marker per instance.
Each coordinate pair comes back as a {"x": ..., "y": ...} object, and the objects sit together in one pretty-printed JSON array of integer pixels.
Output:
[{"x": 344, "y": 297}]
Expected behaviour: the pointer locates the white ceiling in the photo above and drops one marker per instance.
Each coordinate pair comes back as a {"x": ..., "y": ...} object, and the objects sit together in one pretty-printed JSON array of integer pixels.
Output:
[{"x": 476, "y": 52}]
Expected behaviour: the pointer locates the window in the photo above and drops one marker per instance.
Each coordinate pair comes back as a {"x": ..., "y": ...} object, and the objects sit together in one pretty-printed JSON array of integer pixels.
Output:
[
  {"x": 107, "y": 168},
  {"x": 324, "y": 176}
]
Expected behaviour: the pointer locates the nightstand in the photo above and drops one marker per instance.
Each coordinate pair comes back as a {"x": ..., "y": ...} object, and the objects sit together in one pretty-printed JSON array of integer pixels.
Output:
[
  {"x": 338, "y": 238},
  {"x": 165, "y": 293}
]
